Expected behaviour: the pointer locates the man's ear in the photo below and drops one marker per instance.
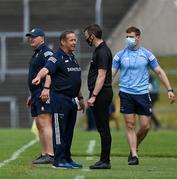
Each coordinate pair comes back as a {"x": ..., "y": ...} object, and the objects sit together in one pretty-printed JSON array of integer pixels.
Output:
[
  {"x": 92, "y": 36},
  {"x": 138, "y": 37},
  {"x": 62, "y": 42}
]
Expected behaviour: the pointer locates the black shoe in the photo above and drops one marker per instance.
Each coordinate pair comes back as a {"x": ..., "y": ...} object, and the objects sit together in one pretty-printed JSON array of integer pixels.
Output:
[
  {"x": 100, "y": 165},
  {"x": 37, "y": 159},
  {"x": 129, "y": 156},
  {"x": 44, "y": 159},
  {"x": 133, "y": 161}
]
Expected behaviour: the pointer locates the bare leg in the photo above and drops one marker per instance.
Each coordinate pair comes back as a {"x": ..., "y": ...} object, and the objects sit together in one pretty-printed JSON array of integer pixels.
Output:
[
  {"x": 40, "y": 135},
  {"x": 131, "y": 134},
  {"x": 144, "y": 128},
  {"x": 44, "y": 125}
]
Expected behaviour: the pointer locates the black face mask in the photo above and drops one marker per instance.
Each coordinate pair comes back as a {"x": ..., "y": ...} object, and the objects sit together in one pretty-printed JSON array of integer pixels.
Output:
[{"x": 90, "y": 43}]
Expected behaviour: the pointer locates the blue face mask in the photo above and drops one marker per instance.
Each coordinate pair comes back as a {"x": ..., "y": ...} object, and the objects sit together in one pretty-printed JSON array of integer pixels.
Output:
[{"x": 131, "y": 42}]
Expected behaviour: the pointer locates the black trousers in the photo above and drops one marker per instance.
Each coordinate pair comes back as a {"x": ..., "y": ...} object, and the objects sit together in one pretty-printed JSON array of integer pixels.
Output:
[{"x": 101, "y": 114}]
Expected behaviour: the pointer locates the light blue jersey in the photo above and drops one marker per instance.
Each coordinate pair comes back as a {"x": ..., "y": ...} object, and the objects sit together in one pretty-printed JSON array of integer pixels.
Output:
[{"x": 134, "y": 69}]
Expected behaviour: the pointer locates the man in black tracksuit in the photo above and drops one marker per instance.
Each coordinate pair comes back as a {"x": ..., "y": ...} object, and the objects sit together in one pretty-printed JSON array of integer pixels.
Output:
[
  {"x": 99, "y": 85},
  {"x": 66, "y": 82}
]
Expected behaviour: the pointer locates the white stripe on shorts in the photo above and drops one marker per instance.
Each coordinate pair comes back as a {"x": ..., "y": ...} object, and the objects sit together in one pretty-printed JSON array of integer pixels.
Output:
[{"x": 57, "y": 129}]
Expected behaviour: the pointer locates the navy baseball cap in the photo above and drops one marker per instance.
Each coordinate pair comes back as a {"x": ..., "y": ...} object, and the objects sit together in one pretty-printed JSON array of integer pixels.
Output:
[{"x": 36, "y": 32}]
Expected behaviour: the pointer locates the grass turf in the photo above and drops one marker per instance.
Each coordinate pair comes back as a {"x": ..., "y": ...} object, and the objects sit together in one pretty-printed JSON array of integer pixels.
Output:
[{"x": 158, "y": 156}]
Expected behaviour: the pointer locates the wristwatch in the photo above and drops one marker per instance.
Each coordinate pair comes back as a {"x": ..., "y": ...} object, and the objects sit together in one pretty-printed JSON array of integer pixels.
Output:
[
  {"x": 46, "y": 87},
  {"x": 170, "y": 90}
]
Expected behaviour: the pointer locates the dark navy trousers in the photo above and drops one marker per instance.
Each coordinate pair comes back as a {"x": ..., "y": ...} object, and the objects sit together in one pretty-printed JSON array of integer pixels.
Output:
[{"x": 64, "y": 110}]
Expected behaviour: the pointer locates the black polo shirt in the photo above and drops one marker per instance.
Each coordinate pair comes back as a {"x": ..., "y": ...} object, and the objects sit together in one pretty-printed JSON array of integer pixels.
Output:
[
  {"x": 101, "y": 59},
  {"x": 65, "y": 73},
  {"x": 38, "y": 61}
]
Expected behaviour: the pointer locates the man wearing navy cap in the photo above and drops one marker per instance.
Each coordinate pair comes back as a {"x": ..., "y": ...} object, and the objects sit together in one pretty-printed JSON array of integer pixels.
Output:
[
  {"x": 39, "y": 101},
  {"x": 35, "y": 33},
  {"x": 66, "y": 82}
]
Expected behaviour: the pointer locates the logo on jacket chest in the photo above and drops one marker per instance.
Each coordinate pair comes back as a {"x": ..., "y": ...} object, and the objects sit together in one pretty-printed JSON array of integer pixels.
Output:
[
  {"x": 74, "y": 69},
  {"x": 70, "y": 61}
]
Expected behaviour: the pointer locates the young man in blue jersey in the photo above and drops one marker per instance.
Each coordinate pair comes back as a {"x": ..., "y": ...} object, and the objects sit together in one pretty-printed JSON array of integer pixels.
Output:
[
  {"x": 39, "y": 101},
  {"x": 66, "y": 83},
  {"x": 134, "y": 62}
]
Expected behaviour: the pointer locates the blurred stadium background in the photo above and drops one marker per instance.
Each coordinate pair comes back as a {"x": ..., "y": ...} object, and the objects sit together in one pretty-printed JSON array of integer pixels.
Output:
[{"x": 157, "y": 19}]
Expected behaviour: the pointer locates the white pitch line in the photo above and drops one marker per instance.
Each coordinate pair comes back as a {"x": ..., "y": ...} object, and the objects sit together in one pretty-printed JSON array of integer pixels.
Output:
[
  {"x": 17, "y": 153},
  {"x": 89, "y": 151},
  {"x": 89, "y": 158},
  {"x": 86, "y": 169},
  {"x": 79, "y": 177},
  {"x": 91, "y": 146}
]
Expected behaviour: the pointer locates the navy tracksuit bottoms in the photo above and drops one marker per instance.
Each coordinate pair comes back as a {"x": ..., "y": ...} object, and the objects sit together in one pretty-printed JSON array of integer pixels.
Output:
[{"x": 63, "y": 121}]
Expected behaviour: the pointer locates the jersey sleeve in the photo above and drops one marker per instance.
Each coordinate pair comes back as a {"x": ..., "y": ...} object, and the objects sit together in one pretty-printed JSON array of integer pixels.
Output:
[
  {"x": 52, "y": 64},
  {"x": 117, "y": 60},
  {"x": 47, "y": 54},
  {"x": 152, "y": 60}
]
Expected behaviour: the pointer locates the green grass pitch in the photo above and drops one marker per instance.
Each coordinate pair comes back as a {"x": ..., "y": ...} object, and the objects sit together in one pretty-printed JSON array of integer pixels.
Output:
[{"x": 158, "y": 157}]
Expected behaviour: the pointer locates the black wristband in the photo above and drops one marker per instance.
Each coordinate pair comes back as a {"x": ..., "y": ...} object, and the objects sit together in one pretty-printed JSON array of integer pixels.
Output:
[
  {"x": 170, "y": 90},
  {"x": 80, "y": 97},
  {"x": 46, "y": 87},
  {"x": 93, "y": 95}
]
